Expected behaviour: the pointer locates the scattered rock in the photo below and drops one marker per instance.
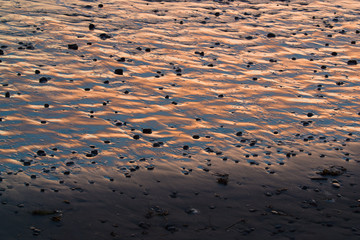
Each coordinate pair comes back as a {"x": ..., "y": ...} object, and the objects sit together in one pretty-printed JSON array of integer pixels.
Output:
[
  {"x": 171, "y": 228},
  {"x": 104, "y": 36},
  {"x": 196, "y": 136},
  {"x": 41, "y": 153},
  {"x": 222, "y": 178},
  {"x": 147, "y": 131},
  {"x": 73, "y": 46},
  {"x": 352, "y": 62},
  {"x": 271, "y": 35},
  {"x": 332, "y": 171},
  {"x": 239, "y": 134},
  {"x": 192, "y": 211},
  {"x": 43, "y": 80},
  {"x": 119, "y": 71},
  {"x": 91, "y": 26}
]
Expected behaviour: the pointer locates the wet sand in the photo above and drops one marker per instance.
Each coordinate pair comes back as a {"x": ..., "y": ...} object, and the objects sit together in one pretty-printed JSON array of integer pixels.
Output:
[{"x": 179, "y": 119}]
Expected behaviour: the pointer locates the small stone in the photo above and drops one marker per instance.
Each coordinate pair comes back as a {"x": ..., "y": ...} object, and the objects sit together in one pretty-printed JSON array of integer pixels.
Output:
[
  {"x": 147, "y": 131},
  {"x": 41, "y": 153},
  {"x": 192, "y": 211},
  {"x": 7, "y": 94},
  {"x": 1, "y": 52},
  {"x": 269, "y": 194},
  {"x": 352, "y": 62},
  {"x": 171, "y": 228},
  {"x": 37, "y": 71},
  {"x": 43, "y": 80},
  {"x": 104, "y": 36},
  {"x": 271, "y": 35},
  {"x": 196, "y": 137},
  {"x": 336, "y": 185},
  {"x": 70, "y": 163},
  {"x": 333, "y": 171},
  {"x": 119, "y": 71},
  {"x": 91, "y": 26},
  {"x": 136, "y": 137},
  {"x": 73, "y": 46}
]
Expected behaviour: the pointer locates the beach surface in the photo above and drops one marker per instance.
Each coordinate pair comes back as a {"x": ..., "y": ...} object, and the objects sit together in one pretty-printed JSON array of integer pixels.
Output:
[{"x": 174, "y": 119}]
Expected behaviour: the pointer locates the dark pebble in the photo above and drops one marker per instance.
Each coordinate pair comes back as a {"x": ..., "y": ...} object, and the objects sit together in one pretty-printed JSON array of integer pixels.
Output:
[
  {"x": 73, "y": 46},
  {"x": 26, "y": 162},
  {"x": 239, "y": 134},
  {"x": 271, "y": 35},
  {"x": 171, "y": 228},
  {"x": 136, "y": 137},
  {"x": 91, "y": 26},
  {"x": 196, "y": 137},
  {"x": 104, "y": 36},
  {"x": 352, "y": 62},
  {"x": 7, "y": 94},
  {"x": 310, "y": 114},
  {"x": 147, "y": 130},
  {"x": 43, "y": 80},
  {"x": 41, "y": 153},
  {"x": 186, "y": 147},
  {"x": 70, "y": 163},
  {"x": 119, "y": 71},
  {"x": 100, "y": 5},
  {"x": 1, "y": 52},
  {"x": 334, "y": 53},
  {"x": 37, "y": 71},
  {"x": 33, "y": 176},
  {"x": 147, "y": 49}
]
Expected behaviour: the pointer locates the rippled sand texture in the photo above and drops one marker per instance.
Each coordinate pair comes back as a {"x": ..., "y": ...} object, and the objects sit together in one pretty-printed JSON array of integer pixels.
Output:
[{"x": 265, "y": 91}]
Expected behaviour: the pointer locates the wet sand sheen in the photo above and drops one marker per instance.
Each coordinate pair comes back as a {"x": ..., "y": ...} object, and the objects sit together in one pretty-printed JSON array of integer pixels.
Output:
[{"x": 179, "y": 119}]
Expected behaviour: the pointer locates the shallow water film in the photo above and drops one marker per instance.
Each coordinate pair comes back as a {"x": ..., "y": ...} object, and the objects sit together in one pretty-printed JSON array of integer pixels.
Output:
[{"x": 174, "y": 119}]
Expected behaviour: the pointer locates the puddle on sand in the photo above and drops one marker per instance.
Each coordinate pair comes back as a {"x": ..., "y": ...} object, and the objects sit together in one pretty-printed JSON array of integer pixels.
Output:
[{"x": 179, "y": 119}]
